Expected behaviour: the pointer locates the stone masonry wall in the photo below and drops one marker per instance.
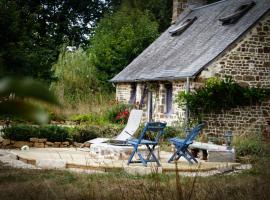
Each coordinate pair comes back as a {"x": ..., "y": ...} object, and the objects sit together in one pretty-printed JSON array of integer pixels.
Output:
[
  {"x": 123, "y": 92},
  {"x": 248, "y": 63},
  {"x": 159, "y": 99}
]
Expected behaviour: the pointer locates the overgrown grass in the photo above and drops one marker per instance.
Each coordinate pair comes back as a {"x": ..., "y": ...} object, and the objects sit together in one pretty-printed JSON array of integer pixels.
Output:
[
  {"x": 50, "y": 184},
  {"x": 249, "y": 147},
  {"x": 95, "y": 105}
]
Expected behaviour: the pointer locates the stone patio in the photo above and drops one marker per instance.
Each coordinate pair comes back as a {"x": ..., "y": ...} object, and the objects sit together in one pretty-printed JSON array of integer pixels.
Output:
[{"x": 72, "y": 158}]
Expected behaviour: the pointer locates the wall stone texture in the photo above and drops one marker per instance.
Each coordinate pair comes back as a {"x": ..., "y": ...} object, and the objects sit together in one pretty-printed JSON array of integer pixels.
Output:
[
  {"x": 248, "y": 63},
  {"x": 123, "y": 92}
]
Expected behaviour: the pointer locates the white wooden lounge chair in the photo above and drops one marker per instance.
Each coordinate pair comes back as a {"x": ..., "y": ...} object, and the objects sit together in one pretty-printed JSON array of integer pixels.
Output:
[{"x": 127, "y": 133}]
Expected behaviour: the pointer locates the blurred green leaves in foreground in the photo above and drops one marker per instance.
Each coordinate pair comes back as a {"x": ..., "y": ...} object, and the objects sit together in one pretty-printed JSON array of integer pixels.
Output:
[{"x": 19, "y": 97}]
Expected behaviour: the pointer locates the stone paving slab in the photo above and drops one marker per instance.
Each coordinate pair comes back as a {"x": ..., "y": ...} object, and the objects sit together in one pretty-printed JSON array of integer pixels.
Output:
[{"x": 60, "y": 158}]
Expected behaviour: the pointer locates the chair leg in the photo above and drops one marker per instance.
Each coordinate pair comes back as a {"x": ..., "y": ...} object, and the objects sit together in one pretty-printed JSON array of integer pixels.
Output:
[
  {"x": 191, "y": 156},
  {"x": 139, "y": 154},
  {"x": 142, "y": 159},
  {"x": 151, "y": 153},
  {"x": 131, "y": 156},
  {"x": 173, "y": 156}
]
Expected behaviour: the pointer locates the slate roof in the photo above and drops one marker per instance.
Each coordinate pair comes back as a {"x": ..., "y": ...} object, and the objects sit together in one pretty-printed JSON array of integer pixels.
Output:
[{"x": 187, "y": 54}]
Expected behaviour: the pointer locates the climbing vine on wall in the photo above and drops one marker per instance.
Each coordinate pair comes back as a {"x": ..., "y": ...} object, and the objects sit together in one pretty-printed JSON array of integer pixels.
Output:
[{"x": 216, "y": 95}]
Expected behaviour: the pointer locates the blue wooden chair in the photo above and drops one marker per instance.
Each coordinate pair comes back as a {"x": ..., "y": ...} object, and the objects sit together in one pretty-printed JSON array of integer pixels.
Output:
[
  {"x": 157, "y": 129},
  {"x": 181, "y": 145}
]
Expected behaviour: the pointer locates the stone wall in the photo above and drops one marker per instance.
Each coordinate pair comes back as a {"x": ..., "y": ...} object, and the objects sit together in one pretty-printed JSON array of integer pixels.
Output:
[
  {"x": 254, "y": 119},
  {"x": 123, "y": 92},
  {"x": 248, "y": 63},
  {"x": 159, "y": 99},
  {"x": 37, "y": 143}
]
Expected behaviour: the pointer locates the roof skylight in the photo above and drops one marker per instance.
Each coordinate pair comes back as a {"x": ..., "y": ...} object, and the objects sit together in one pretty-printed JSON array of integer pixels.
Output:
[
  {"x": 182, "y": 27},
  {"x": 238, "y": 13}
]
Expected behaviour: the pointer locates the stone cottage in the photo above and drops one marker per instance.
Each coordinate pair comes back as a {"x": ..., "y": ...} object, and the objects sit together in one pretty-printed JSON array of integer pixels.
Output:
[{"x": 226, "y": 38}]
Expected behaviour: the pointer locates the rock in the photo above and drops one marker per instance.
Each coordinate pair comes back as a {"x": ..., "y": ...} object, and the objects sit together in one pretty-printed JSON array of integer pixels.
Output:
[
  {"x": 50, "y": 144},
  {"x": 6, "y": 142},
  {"x": 56, "y": 144},
  {"x": 65, "y": 143},
  {"x": 42, "y": 140},
  {"x": 19, "y": 144},
  {"x": 12, "y": 142},
  {"x": 77, "y": 144},
  {"x": 39, "y": 145},
  {"x": 33, "y": 139},
  {"x": 87, "y": 144},
  {"x": 221, "y": 156}
]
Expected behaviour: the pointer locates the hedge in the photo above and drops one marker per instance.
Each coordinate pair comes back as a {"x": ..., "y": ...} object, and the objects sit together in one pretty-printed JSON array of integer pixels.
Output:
[
  {"x": 22, "y": 132},
  {"x": 55, "y": 133}
]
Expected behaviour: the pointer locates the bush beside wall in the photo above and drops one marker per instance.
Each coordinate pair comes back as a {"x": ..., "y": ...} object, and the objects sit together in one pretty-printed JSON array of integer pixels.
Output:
[
  {"x": 53, "y": 133},
  {"x": 59, "y": 134}
]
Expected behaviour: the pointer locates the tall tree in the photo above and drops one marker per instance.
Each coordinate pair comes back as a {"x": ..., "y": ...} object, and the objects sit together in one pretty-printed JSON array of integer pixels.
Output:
[
  {"x": 161, "y": 10},
  {"x": 32, "y": 31},
  {"x": 119, "y": 38}
]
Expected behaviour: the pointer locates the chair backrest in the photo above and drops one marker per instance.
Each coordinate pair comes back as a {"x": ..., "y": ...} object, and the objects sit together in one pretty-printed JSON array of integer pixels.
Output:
[
  {"x": 132, "y": 126},
  {"x": 156, "y": 127},
  {"x": 194, "y": 132}
]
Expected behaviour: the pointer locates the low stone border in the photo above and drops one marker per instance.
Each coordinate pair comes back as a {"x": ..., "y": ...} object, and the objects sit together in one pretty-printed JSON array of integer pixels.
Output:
[{"x": 38, "y": 143}]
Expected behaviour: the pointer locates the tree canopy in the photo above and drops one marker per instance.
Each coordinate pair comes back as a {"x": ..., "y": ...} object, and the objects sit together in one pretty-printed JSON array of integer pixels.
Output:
[
  {"x": 119, "y": 38},
  {"x": 31, "y": 32}
]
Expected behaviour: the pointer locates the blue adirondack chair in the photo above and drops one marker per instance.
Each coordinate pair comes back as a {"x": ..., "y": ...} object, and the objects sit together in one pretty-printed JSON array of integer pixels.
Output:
[
  {"x": 181, "y": 145},
  {"x": 156, "y": 128}
]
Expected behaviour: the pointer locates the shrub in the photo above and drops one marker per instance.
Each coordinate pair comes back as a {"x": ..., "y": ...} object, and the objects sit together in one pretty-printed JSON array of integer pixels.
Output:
[
  {"x": 25, "y": 132},
  {"x": 75, "y": 77},
  {"x": 115, "y": 111},
  {"x": 90, "y": 118},
  {"x": 174, "y": 131},
  {"x": 20, "y": 132},
  {"x": 54, "y": 133},
  {"x": 248, "y": 144},
  {"x": 211, "y": 98},
  {"x": 86, "y": 133}
]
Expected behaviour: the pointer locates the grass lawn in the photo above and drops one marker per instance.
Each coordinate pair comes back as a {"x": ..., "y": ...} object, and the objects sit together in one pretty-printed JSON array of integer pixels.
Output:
[{"x": 52, "y": 184}]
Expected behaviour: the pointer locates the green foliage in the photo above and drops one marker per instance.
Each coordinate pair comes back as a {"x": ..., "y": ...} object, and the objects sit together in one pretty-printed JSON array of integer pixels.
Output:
[
  {"x": 218, "y": 95},
  {"x": 15, "y": 105},
  {"x": 91, "y": 118},
  {"x": 25, "y": 132},
  {"x": 86, "y": 133},
  {"x": 115, "y": 109},
  {"x": 31, "y": 32},
  {"x": 174, "y": 131},
  {"x": 248, "y": 144},
  {"x": 76, "y": 77},
  {"x": 118, "y": 39},
  {"x": 54, "y": 133},
  {"x": 22, "y": 132},
  {"x": 160, "y": 9}
]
